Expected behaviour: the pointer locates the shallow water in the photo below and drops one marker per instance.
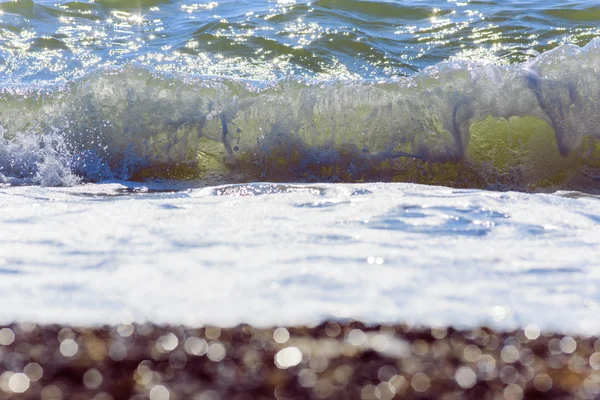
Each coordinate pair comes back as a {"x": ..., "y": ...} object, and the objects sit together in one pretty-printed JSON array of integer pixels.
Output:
[
  {"x": 198, "y": 101},
  {"x": 284, "y": 254}
]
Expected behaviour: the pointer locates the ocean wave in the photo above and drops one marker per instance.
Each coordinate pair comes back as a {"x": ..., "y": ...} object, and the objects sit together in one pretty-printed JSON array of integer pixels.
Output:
[{"x": 527, "y": 126}]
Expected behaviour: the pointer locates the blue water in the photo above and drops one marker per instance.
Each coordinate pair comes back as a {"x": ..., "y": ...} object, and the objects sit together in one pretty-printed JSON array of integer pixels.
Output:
[{"x": 263, "y": 40}]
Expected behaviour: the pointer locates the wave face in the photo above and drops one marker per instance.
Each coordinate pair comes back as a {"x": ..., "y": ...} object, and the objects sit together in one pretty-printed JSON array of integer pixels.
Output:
[{"x": 76, "y": 107}]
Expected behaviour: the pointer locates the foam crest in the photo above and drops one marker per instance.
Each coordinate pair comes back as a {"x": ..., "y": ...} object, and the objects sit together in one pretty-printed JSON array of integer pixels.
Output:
[
  {"x": 36, "y": 160},
  {"x": 458, "y": 123}
]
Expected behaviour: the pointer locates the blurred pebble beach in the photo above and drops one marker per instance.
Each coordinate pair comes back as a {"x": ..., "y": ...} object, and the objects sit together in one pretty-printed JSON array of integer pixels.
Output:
[{"x": 334, "y": 360}]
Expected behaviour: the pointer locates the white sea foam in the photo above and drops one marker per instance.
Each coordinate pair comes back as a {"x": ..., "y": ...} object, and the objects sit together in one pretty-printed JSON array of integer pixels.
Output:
[{"x": 272, "y": 254}]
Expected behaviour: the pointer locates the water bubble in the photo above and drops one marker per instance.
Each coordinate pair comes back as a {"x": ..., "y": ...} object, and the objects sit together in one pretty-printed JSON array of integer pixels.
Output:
[
  {"x": 252, "y": 359},
  {"x": 159, "y": 392},
  {"x": 288, "y": 357},
  {"x": 307, "y": 378},
  {"x": 7, "y": 336},
  {"x": 281, "y": 335},
  {"x": 577, "y": 364},
  {"x": 568, "y": 345},
  {"x": 356, "y": 337},
  {"x": 69, "y": 347},
  {"x": 167, "y": 343},
  {"x": 380, "y": 343},
  {"x": 420, "y": 347},
  {"x": 4, "y": 378},
  {"x": 472, "y": 353},
  {"x": 26, "y": 326},
  {"x": 509, "y": 375},
  {"x": 595, "y": 361},
  {"x": 117, "y": 352},
  {"x": 457, "y": 338},
  {"x": 33, "y": 371},
  {"x": 195, "y": 346},
  {"x": 92, "y": 379},
  {"x": 212, "y": 332},
  {"x": 591, "y": 384},
  {"x": 526, "y": 356},
  {"x": 386, "y": 373},
  {"x": 439, "y": 333},
  {"x": 216, "y": 352},
  {"x": 227, "y": 368},
  {"x": 532, "y": 332},
  {"x": 465, "y": 377},
  {"x": 554, "y": 346},
  {"x": 542, "y": 382},
  {"x": 398, "y": 382},
  {"x": 125, "y": 330},
  {"x": 385, "y": 391},
  {"x": 143, "y": 374},
  {"x": 369, "y": 392},
  {"x": 18, "y": 383},
  {"x": 420, "y": 382},
  {"x": 177, "y": 359},
  {"x": 318, "y": 364},
  {"x": 332, "y": 329},
  {"x": 342, "y": 374},
  {"x": 513, "y": 392},
  {"x": 127, "y": 318},
  {"x": 486, "y": 367},
  {"x": 51, "y": 392},
  {"x": 509, "y": 354},
  {"x": 65, "y": 333}
]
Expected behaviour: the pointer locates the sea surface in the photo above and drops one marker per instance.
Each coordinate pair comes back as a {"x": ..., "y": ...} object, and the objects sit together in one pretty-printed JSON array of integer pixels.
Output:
[{"x": 284, "y": 162}]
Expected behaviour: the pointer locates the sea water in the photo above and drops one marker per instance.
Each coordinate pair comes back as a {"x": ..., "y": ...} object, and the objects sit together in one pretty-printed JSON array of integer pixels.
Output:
[{"x": 424, "y": 162}]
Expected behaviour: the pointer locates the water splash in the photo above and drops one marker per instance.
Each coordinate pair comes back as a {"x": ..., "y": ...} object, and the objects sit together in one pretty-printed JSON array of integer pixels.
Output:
[{"x": 457, "y": 123}]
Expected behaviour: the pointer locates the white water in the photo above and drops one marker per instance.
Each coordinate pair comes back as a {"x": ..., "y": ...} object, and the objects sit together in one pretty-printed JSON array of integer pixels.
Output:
[{"x": 283, "y": 254}]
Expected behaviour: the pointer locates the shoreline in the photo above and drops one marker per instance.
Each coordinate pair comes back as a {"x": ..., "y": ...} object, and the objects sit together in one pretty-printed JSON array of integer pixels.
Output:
[{"x": 333, "y": 360}]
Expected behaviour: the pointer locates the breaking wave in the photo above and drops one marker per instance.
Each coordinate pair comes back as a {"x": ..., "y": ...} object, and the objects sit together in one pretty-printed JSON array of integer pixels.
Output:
[{"x": 528, "y": 126}]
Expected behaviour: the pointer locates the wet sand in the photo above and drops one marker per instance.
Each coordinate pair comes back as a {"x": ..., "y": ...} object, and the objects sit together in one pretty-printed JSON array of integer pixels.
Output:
[{"x": 331, "y": 361}]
